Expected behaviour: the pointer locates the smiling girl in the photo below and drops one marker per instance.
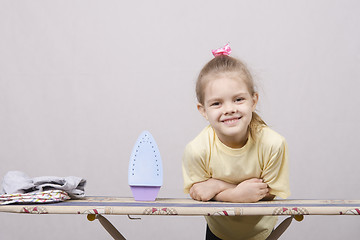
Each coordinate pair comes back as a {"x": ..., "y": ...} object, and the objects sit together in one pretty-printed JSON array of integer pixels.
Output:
[{"x": 237, "y": 158}]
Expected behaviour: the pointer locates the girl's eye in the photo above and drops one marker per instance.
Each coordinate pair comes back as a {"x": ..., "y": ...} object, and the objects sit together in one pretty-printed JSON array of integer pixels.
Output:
[
  {"x": 239, "y": 99},
  {"x": 214, "y": 104}
]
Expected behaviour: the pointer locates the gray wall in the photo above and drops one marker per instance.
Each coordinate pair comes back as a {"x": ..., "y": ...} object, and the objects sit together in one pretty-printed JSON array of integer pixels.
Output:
[{"x": 79, "y": 81}]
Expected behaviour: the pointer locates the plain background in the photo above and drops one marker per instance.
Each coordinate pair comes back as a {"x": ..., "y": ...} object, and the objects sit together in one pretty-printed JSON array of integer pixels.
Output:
[{"x": 81, "y": 79}]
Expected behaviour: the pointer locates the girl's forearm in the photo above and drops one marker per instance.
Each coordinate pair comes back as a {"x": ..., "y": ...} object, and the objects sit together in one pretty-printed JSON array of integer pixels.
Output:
[
  {"x": 207, "y": 190},
  {"x": 229, "y": 196},
  {"x": 225, "y": 196},
  {"x": 248, "y": 191},
  {"x": 222, "y": 185}
]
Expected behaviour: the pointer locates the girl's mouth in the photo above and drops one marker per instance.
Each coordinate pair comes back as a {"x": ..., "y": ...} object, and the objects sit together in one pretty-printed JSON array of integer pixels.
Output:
[{"x": 231, "y": 121}]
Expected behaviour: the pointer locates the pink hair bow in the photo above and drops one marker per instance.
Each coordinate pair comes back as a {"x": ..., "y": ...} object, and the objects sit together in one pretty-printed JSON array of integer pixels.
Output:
[{"x": 226, "y": 50}]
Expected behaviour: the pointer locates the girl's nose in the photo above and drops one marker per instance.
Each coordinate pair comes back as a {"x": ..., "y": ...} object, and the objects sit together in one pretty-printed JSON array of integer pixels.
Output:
[{"x": 229, "y": 109}]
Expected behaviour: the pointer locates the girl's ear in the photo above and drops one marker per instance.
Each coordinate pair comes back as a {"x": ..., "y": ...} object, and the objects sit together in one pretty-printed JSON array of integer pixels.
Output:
[
  {"x": 202, "y": 111},
  {"x": 255, "y": 99}
]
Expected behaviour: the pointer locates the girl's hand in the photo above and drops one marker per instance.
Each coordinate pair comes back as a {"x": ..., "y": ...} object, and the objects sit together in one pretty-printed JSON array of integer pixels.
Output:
[
  {"x": 251, "y": 190},
  {"x": 207, "y": 190}
]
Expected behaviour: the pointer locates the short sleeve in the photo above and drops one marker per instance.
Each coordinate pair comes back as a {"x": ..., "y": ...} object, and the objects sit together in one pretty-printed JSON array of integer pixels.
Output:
[
  {"x": 194, "y": 167},
  {"x": 275, "y": 170}
]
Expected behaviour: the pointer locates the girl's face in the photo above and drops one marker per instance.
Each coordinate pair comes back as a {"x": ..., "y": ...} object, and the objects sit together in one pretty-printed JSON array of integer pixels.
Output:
[{"x": 228, "y": 106}]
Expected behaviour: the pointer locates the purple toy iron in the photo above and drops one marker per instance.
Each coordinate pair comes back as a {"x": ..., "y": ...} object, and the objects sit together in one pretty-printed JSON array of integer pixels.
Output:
[{"x": 145, "y": 168}]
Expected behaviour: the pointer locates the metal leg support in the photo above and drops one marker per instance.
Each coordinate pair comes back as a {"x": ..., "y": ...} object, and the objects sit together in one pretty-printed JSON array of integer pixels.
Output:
[
  {"x": 283, "y": 226},
  {"x": 107, "y": 225}
]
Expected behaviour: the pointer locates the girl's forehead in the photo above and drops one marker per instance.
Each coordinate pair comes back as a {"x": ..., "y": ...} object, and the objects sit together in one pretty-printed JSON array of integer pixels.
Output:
[{"x": 226, "y": 78}]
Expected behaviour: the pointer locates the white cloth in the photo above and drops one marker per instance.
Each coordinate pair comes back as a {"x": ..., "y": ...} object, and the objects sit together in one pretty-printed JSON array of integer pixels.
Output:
[{"x": 19, "y": 182}]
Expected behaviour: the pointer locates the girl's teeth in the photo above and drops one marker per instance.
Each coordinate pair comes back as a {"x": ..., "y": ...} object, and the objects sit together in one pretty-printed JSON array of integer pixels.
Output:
[{"x": 230, "y": 121}]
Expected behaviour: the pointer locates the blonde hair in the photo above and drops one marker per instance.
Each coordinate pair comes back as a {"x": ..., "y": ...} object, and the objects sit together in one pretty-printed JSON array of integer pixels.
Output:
[{"x": 225, "y": 64}]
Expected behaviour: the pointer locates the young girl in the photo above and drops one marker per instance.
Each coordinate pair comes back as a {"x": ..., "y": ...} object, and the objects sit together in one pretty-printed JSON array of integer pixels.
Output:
[{"x": 237, "y": 158}]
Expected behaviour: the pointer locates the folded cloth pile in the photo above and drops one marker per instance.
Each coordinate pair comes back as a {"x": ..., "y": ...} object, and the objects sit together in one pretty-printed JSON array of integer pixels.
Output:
[
  {"x": 38, "y": 197},
  {"x": 16, "y": 182}
]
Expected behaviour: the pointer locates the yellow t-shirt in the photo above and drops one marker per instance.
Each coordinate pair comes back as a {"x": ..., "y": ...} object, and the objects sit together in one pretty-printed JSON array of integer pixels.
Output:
[{"x": 263, "y": 157}]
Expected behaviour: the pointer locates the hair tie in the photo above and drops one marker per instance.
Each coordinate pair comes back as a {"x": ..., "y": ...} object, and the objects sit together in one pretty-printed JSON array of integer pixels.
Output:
[{"x": 226, "y": 50}]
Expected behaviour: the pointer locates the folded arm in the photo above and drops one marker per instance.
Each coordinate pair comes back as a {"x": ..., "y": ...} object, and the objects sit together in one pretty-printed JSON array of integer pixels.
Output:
[{"x": 251, "y": 190}]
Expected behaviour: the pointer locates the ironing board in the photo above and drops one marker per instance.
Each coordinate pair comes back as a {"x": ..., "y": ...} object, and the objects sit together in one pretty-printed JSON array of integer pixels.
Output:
[
  {"x": 187, "y": 207},
  {"x": 95, "y": 207}
]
